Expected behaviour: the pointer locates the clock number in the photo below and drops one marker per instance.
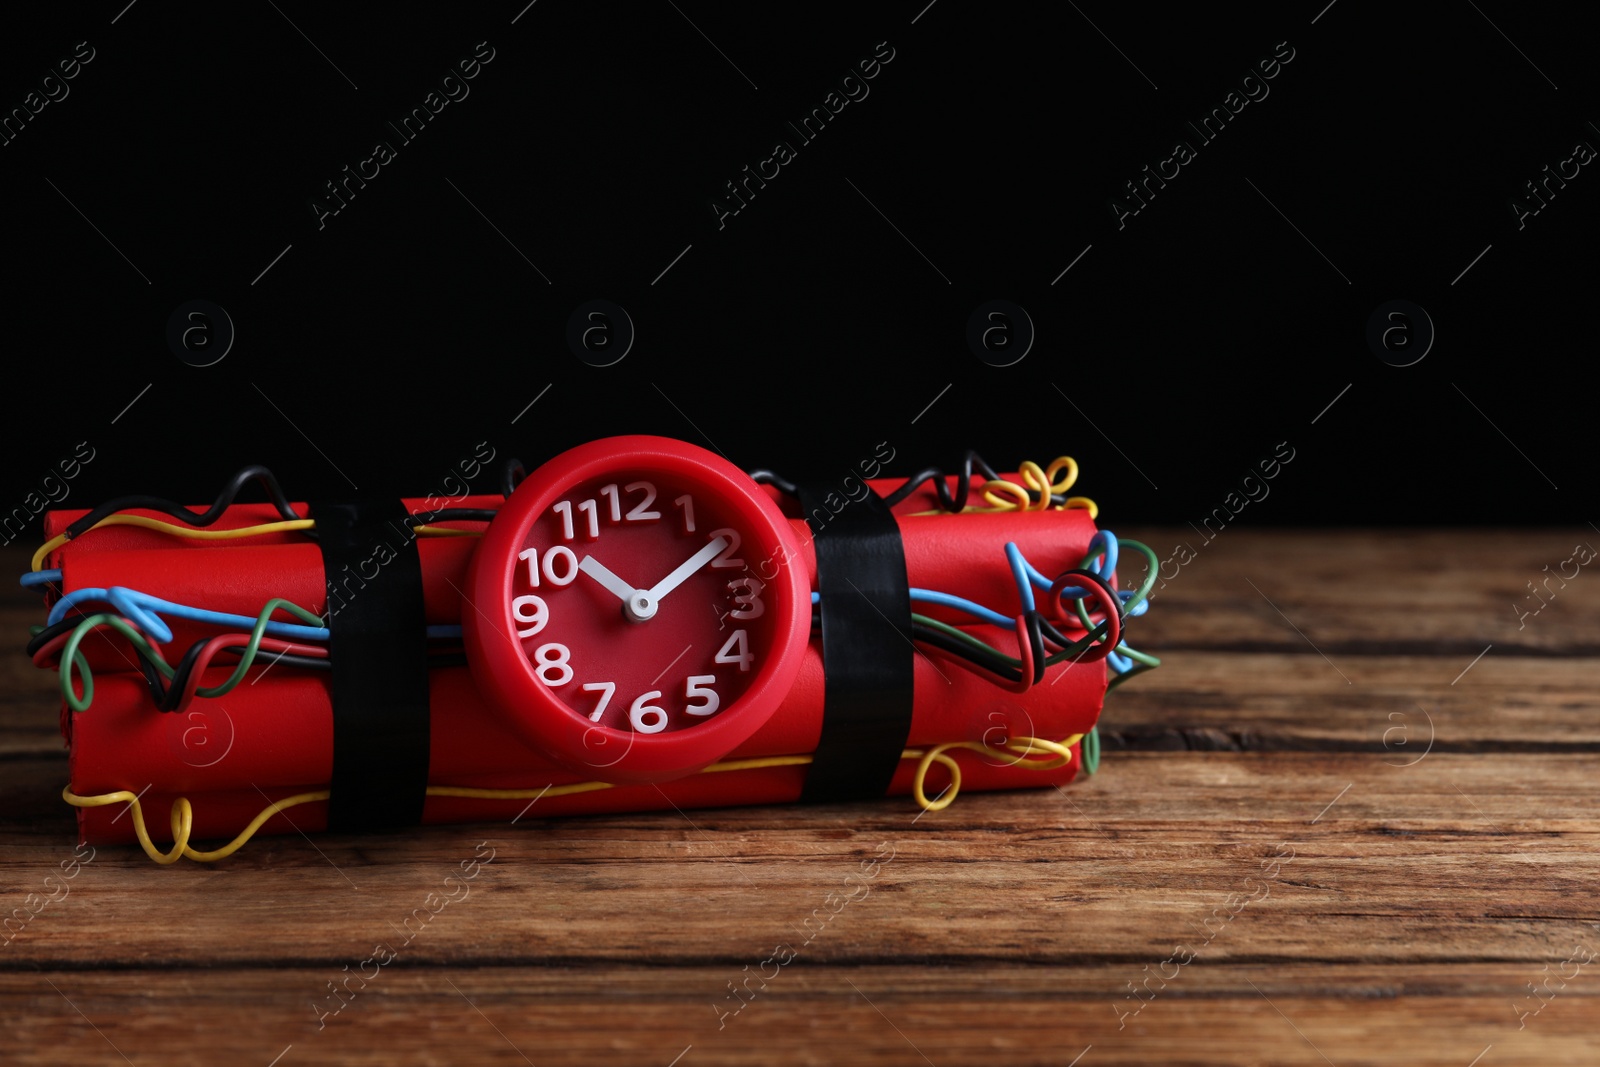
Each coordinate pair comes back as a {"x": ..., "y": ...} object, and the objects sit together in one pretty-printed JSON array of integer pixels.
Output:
[
  {"x": 590, "y": 508},
  {"x": 553, "y": 657},
  {"x": 550, "y": 556},
  {"x": 560, "y": 552},
  {"x": 686, "y": 502},
  {"x": 727, "y": 557},
  {"x": 564, "y": 509},
  {"x": 606, "y": 690},
  {"x": 736, "y": 650},
  {"x": 637, "y": 714},
  {"x": 540, "y": 616},
  {"x": 699, "y": 685},
  {"x": 611, "y": 494},
  {"x": 640, "y": 512},
  {"x": 749, "y": 601}
]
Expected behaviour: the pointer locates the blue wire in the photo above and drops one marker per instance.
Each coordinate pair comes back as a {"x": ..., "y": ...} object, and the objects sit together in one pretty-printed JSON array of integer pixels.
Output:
[
  {"x": 141, "y": 608},
  {"x": 37, "y": 578},
  {"x": 1020, "y": 570},
  {"x": 1103, "y": 541},
  {"x": 1107, "y": 543},
  {"x": 930, "y": 596}
]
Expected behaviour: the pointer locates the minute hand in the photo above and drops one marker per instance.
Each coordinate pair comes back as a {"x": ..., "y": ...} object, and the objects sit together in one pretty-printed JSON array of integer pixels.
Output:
[{"x": 688, "y": 567}]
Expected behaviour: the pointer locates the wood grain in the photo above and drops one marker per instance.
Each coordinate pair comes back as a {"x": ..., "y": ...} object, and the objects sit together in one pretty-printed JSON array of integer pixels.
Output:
[{"x": 1433, "y": 901}]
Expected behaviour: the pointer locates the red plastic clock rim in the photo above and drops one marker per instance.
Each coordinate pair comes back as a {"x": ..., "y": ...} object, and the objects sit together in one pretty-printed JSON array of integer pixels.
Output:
[{"x": 501, "y": 669}]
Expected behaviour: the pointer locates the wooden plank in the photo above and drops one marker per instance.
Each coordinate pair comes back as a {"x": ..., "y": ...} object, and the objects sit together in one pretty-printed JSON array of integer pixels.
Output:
[
  {"x": 1375, "y": 592},
  {"x": 1399, "y": 706},
  {"x": 1458, "y": 858},
  {"x": 805, "y": 1013}
]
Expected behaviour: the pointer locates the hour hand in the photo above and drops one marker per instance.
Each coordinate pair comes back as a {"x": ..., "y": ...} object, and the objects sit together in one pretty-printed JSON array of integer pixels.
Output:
[{"x": 600, "y": 573}]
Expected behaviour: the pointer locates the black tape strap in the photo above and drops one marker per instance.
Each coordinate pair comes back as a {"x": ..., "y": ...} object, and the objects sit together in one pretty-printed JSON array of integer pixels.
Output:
[
  {"x": 866, "y": 646},
  {"x": 378, "y": 647}
]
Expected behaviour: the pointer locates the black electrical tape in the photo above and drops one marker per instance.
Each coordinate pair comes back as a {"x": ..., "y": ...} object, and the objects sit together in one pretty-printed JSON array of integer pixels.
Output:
[
  {"x": 378, "y": 649},
  {"x": 866, "y": 645}
]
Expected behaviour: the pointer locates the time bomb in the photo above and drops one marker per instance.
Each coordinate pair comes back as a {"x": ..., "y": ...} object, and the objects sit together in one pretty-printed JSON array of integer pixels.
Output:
[{"x": 637, "y": 624}]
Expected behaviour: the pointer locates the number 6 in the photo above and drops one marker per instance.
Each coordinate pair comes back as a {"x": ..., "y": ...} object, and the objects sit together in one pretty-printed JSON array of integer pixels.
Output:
[{"x": 640, "y": 709}]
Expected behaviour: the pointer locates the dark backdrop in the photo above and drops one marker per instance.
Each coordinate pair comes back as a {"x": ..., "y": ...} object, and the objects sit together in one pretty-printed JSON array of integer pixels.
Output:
[{"x": 1224, "y": 322}]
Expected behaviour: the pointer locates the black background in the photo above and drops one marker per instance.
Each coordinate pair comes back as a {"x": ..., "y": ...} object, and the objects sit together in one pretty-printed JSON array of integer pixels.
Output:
[{"x": 823, "y": 319}]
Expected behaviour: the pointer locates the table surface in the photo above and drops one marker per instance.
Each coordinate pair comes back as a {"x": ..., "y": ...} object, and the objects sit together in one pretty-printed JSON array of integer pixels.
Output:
[{"x": 1351, "y": 820}]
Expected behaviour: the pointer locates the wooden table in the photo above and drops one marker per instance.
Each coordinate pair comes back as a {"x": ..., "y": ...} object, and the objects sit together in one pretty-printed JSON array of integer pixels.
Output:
[{"x": 1364, "y": 705}]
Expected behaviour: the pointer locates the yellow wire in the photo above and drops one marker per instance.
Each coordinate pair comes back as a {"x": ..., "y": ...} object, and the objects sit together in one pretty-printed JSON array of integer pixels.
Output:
[
  {"x": 183, "y": 812},
  {"x": 1023, "y": 747},
  {"x": 445, "y": 531},
  {"x": 202, "y": 534},
  {"x": 1041, "y": 480},
  {"x": 1066, "y": 463},
  {"x": 1037, "y": 480},
  {"x": 1019, "y": 495},
  {"x": 1083, "y": 502}
]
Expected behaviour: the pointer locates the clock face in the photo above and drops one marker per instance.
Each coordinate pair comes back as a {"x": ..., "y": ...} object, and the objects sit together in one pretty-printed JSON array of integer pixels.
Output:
[{"x": 655, "y": 608}]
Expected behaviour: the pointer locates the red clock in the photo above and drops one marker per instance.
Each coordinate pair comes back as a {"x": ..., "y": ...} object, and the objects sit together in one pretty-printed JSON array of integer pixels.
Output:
[{"x": 637, "y": 608}]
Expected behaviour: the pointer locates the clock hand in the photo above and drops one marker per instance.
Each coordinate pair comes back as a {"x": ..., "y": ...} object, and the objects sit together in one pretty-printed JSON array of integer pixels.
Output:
[
  {"x": 686, "y": 568},
  {"x": 600, "y": 573}
]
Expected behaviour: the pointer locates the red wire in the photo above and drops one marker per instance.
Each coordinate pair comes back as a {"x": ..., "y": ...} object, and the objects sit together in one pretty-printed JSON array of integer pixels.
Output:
[
  {"x": 43, "y": 657},
  {"x": 238, "y": 640},
  {"x": 1109, "y": 608},
  {"x": 1025, "y": 647},
  {"x": 961, "y": 661}
]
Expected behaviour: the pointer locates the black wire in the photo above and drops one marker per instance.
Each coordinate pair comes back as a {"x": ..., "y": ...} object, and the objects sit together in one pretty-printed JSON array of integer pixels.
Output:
[
  {"x": 511, "y": 475},
  {"x": 1036, "y": 644},
  {"x": 49, "y": 633},
  {"x": 452, "y": 515},
  {"x": 168, "y": 700},
  {"x": 992, "y": 662},
  {"x": 943, "y": 641},
  {"x": 766, "y": 477},
  {"x": 1099, "y": 650},
  {"x": 152, "y": 678},
  {"x": 1054, "y": 636},
  {"x": 252, "y": 473},
  {"x": 958, "y": 501},
  {"x": 969, "y": 459},
  {"x": 948, "y": 501},
  {"x": 291, "y": 659}
]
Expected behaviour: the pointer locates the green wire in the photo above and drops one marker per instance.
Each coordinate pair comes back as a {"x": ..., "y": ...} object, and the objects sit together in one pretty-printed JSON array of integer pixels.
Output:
[
  {"x": 77, "y": 664},
  {"x": 256, "y": 633},
  {"x": 71, "y": 657},
  {"x": 977, "y": 644},
  {"x": 1090, "y": 750},
  {"x": 994, "y": 654},
  {"x": 1139, "y": 657},
  {"x": 1127, "y": 609},
  {"x": 1149, "y": 578}
]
